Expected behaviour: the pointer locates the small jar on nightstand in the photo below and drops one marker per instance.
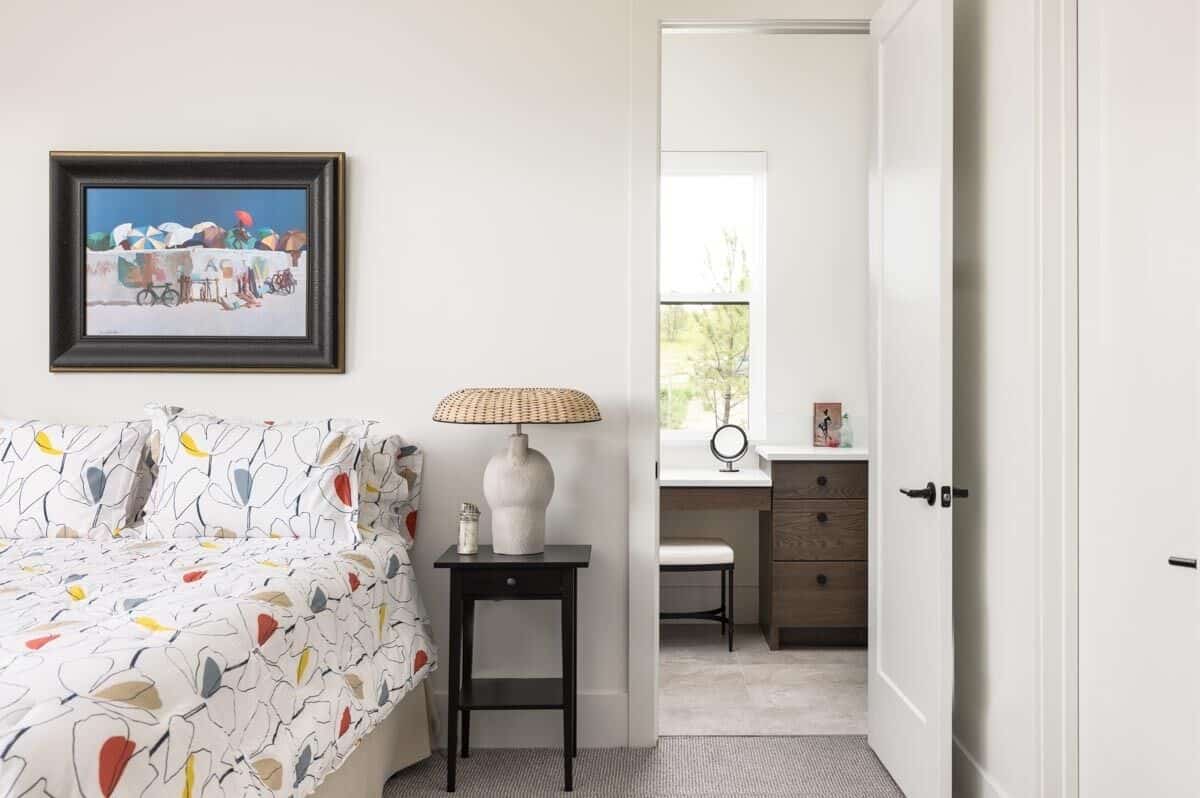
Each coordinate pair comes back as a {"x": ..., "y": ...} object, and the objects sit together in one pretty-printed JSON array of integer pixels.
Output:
[{"x": 468, "y": 529}]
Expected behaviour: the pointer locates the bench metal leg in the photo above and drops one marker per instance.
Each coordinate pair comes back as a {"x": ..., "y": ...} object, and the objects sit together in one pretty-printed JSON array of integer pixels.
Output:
[
  {"x": 723, "y": 615},
  {"x": 730, "y": 616}
]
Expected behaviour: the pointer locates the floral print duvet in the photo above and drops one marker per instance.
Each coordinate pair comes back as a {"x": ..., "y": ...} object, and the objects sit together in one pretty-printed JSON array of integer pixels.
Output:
[{"x": 199, "y": 667}]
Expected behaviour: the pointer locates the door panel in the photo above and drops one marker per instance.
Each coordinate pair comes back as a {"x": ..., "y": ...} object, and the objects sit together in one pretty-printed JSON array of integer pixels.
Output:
[{"x": 911, "y": 645}]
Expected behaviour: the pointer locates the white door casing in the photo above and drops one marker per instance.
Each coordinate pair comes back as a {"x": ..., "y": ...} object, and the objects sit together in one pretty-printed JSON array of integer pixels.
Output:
[{"x": 911, "y": 652}]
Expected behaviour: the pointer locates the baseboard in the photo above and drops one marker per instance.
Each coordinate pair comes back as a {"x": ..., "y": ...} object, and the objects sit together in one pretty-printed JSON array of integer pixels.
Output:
[
  {"x": 603, "y": 723},
  {"x": 683, "y": 598},
  {"x": 970, "y": 779}
]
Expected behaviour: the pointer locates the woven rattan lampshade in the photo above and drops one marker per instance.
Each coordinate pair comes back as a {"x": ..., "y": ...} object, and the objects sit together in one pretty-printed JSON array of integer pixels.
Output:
[{"x": 517, "y": 406}]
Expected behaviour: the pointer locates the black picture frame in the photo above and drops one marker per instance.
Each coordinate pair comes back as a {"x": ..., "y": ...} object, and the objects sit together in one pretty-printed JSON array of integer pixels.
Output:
[{"x": 322, "y": 174}]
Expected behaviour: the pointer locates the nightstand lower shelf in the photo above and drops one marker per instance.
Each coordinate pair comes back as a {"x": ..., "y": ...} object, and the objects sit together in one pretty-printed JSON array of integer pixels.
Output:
[{"x": 512, "y": 694}]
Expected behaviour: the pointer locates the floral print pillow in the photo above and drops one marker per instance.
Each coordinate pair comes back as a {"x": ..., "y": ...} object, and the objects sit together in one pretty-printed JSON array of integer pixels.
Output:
[
  {"x": 389, "y": 473},
  {"x": 222, "y": 478},
  {"x": 63, "y": 480}
]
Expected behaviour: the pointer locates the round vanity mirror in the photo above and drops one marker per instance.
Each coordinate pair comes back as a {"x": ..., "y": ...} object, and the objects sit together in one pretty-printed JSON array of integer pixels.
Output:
[{"x": 729, "y": 444}]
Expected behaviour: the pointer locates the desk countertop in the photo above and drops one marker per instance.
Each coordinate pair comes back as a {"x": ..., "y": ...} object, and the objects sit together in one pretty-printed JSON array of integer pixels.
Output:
[
  {"x": 815, "y": 453},
  {"x": 713, "y": 478}
]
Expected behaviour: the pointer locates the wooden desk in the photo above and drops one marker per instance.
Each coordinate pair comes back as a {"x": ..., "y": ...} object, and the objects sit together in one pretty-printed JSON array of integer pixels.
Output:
[{"x": 812, "y": 522}]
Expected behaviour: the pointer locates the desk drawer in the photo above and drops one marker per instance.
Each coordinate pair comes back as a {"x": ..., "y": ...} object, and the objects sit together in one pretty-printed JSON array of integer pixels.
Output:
[
  {"x": 517, "y": 583},
  {"x": 819, "y": 594},
  {"x": 818, "y": 480},
  {"x": 819, "y": 529},
  {"x": 725, "y": 498}
]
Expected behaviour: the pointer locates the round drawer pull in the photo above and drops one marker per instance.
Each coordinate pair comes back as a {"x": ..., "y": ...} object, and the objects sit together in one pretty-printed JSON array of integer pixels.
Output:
[
  {"x": 822, "y": 579},
  {"x": 511, "y": 581},
  {"x": 822, "y": 518},
  {"x": 822, "y": 480}
]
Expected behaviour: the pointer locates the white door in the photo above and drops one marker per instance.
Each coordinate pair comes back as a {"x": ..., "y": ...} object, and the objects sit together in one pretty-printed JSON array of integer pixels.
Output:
[
  {"x": 1139, "y": 397},
  {"x": 911, "y": 672}
]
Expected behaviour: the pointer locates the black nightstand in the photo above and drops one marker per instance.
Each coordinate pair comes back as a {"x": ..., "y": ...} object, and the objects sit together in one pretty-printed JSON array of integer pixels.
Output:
[{"x": 487, "y": 576}]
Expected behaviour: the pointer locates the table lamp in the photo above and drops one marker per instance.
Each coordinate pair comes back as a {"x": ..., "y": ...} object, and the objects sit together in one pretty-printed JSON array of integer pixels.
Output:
[{"x": 518, "y": 481}]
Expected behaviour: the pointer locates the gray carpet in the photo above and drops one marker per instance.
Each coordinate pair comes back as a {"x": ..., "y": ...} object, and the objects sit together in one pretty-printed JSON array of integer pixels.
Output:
[{"x": 813, "y": 767}]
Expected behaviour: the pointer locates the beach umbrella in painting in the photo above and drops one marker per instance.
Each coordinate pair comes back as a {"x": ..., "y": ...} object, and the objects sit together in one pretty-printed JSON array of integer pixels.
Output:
[
  {"x": 292, "y": 241},
  {"x": 239, "y": 238},
  {"x": 265, "y": 238},
  {"x": 149, "y": 237},
  {"x": 244, "y": 219},
  {"x": 209, "y": 234},
  {"x": 175, "y": 234},
  {"x": 99, "y": 242},
  {"x": 120, "y": 235}
]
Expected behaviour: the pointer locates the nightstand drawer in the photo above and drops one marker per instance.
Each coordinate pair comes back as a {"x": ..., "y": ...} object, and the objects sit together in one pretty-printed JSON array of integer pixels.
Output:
[
  {"x": 515, "y": 583},
  {"x": 819, "y": 529},
  {"x": 819, "y": 480}
]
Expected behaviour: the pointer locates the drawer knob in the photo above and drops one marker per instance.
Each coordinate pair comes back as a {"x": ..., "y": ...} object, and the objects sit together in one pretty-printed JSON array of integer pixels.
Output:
[
  {"x": 511, "y": 581},
  {"x": 822, "y": 579},
  {"x": 822, "y": 480},
  {"x": 822, "y": 518}
]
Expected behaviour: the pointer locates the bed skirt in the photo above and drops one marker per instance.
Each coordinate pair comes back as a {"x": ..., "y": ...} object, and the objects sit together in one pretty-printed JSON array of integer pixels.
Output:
[{"x": 400, "y": 741}]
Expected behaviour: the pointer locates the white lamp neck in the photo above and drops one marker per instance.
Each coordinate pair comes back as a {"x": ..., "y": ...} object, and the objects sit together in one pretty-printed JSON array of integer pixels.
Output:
[{"x": 518, "y": 447}]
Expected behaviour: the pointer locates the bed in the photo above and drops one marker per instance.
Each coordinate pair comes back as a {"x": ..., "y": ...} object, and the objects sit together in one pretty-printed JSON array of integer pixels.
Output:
[{"x": 209, "y": 667}]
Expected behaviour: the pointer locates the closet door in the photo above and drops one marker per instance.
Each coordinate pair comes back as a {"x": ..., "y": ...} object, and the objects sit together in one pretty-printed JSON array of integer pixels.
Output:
[{"x": 1139, "y": 479}]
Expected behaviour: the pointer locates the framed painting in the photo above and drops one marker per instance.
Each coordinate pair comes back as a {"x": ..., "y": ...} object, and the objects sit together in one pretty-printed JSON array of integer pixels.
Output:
[
  {"x": 197, "y": 261},
  {"x": 827, "y": 424}
]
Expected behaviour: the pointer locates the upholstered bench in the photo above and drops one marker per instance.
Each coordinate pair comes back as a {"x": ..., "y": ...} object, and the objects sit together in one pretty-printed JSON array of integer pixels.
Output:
[{"x": 701, "y": 554}]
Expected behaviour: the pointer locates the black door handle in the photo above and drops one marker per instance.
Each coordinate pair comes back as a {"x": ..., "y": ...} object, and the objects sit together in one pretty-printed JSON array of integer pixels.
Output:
[
  {"x": 928, "y": 493},
  {"x": 1182, "y": 562}
]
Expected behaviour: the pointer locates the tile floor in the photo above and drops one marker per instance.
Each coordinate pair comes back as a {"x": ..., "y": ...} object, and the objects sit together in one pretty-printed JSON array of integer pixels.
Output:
[{"x": 705, "y": 690}]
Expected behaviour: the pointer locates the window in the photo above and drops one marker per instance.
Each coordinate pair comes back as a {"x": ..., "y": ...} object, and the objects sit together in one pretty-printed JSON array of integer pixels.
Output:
[{"x": 711, "y": 238}]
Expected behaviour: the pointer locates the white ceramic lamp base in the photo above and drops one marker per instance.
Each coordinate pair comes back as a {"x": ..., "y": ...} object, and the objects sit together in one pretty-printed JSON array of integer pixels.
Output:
[{"x": 518, "y": 484}]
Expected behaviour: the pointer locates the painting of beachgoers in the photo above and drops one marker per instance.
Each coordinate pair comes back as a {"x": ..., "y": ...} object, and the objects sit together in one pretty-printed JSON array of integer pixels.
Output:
[{"x": 225, "y": 262}]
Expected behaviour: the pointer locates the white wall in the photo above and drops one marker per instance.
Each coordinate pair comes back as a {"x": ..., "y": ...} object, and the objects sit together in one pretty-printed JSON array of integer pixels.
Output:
[
  {"x": 1139, "y": 112},
  {"x": 1013, "y": 394},
  {"x": 806, "y": 101},
  {"x": 487, "y": 244}
]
